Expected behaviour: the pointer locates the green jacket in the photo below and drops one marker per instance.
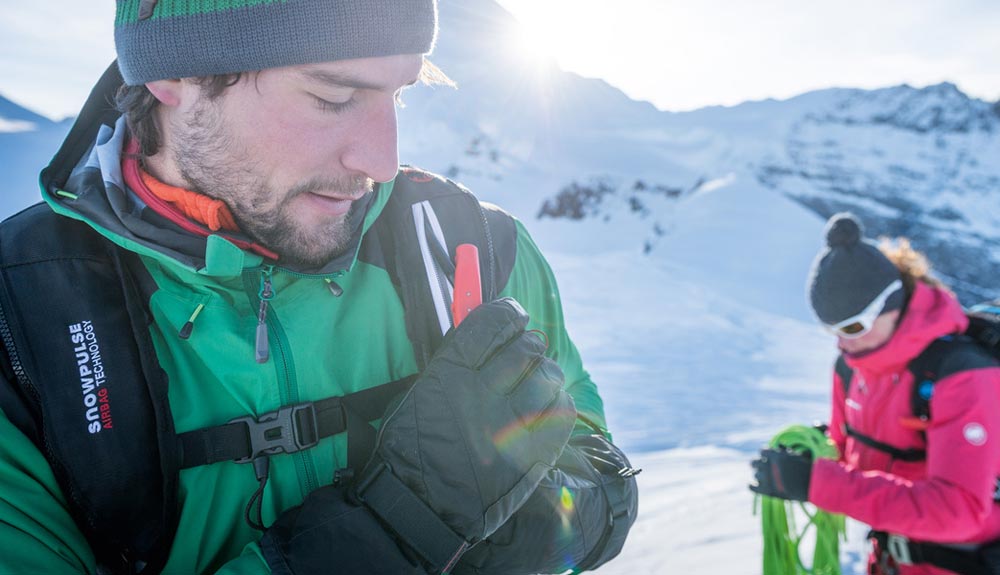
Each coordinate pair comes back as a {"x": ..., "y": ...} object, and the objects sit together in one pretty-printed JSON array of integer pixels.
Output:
[{"x": 320, "y": 345}]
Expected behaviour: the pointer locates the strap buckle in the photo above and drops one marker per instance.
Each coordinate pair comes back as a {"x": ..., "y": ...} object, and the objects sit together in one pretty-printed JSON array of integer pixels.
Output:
[
  {"x": 899, "y": 549},
  {"x": 285, "y": 430}
]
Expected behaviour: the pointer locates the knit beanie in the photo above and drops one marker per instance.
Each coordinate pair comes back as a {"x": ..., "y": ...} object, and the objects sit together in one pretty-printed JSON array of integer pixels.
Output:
[
  {"x": 849, "y": 273},
  {"x": 167, "y": 39}
]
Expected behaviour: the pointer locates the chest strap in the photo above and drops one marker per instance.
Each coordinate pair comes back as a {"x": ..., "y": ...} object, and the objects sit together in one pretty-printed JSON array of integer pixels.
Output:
[
  {"x": 292, "y": 428},
  {"x": 911, "y": 454}
]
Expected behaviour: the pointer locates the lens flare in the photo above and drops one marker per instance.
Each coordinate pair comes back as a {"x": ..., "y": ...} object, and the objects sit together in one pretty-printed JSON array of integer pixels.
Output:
[
  {"x": 517, "y": 431},
  {"x": 567, "y": 535},
  {"x": 566, "y": 498}
]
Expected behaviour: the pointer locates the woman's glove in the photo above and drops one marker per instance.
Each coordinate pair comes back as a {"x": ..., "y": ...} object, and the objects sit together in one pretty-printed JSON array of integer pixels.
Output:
[{"x": 782, "y": 473}]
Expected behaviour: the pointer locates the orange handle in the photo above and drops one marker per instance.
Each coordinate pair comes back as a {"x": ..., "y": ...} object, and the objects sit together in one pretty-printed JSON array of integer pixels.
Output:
[{"x": 468, "y": 287}]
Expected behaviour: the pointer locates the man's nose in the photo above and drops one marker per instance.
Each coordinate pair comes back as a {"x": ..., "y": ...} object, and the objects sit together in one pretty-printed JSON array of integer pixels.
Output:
[{"x": 375, "y": 151}]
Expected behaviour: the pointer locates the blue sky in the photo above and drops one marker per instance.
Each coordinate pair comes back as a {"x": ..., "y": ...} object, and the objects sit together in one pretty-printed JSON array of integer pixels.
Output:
[{"x": 677, "y": 54}]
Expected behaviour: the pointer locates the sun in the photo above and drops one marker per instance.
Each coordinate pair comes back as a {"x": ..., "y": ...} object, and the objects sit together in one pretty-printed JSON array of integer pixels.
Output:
[
  {"x": 539, "y": 34},
  {"x": 533, "y": 45},
  {"x": 546, "y": 35}
]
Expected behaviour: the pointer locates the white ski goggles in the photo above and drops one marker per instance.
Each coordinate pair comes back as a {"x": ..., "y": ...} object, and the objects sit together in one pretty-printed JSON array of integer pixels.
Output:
[{"x": 860, "y": 324}]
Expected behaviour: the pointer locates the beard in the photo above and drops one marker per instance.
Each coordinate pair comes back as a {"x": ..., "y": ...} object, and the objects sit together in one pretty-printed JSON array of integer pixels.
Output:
[{"x": 215, "y": 164}]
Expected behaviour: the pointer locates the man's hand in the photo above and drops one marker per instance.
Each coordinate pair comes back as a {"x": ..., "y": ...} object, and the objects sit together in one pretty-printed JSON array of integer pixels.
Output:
[
  {"x": 330, "y": 534},
  {"x": 481, "y": 427},
  {"x": 782, "y": 473},
  {"x": 456, "y": 456}
]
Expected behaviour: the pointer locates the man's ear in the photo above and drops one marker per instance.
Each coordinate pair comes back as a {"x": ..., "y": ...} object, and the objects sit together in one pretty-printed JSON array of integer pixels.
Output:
[{"x": 168, "y": 92}]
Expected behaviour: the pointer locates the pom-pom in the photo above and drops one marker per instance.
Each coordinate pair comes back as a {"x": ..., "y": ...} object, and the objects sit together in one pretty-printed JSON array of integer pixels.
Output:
[{"x": 843, "y": 230}]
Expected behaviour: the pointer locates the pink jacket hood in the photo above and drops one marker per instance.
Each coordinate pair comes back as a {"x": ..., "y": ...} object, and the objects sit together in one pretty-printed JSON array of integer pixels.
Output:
[{"x": 931, "y": 313}]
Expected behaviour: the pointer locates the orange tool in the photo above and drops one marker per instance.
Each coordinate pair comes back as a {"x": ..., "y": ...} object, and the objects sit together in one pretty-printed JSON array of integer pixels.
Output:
[{"x": 468, "y": 287}]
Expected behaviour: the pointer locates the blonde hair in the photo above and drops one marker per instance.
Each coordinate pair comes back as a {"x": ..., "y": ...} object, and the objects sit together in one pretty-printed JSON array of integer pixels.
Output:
[{"x": 912, "y": 264}]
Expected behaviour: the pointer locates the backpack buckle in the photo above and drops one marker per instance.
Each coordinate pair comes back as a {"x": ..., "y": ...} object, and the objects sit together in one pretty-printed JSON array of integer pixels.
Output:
[
  {"x": 899, "y": 549},
  {"x": 285, "y": 430}
]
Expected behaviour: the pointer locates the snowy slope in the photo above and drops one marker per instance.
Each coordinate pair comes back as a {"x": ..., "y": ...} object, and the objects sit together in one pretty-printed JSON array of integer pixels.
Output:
[{"x": 694, "y": 381}]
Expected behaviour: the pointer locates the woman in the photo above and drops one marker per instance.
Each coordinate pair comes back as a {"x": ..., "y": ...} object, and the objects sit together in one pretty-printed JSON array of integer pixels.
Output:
[{"x": 925, "y": 482}]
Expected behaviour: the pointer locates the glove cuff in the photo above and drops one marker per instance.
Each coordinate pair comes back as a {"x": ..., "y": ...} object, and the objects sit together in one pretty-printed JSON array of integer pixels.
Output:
[{"x": 409, "y": 517}]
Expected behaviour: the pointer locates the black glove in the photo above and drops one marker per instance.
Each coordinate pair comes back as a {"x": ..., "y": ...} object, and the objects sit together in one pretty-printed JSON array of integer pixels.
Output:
[
  {"x": 481, "y": 427},
  {"x": 578, "y": 517},
  {"x": 329, "y": 534},
  {"x": 782, "y": 473}
]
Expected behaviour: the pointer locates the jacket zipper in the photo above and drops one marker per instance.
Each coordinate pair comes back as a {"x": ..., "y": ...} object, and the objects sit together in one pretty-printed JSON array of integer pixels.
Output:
[
  {"x": 262, "y": 350},
  {"x": 268, "y": 326},
  {"x": 15, "y": 360},
  {"x": 262, "y": 347}
]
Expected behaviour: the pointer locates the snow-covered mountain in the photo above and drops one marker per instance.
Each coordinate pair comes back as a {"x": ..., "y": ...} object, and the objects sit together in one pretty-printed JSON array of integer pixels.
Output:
[
  {"x": 916, "y": 162},
  {"x": 682, "y": 242},
  {"x": 27, "y": 142},
  {"x": 921, "y": 163}
]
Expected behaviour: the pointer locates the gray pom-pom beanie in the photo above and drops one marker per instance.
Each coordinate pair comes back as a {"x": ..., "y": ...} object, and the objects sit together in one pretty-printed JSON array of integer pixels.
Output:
[
  {"x": 167, "y": 39},
  {"x": 849, "y": 273}
]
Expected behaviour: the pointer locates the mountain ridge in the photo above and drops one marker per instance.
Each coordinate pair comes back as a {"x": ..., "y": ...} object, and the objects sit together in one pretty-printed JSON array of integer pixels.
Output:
[{"x": 550, "y": 145}]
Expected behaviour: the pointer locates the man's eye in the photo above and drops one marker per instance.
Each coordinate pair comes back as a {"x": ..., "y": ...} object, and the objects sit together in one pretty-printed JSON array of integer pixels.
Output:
[{"x": 333, "y": 107}]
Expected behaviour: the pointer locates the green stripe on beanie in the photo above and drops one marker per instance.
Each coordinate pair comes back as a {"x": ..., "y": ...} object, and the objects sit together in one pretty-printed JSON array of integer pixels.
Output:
[
  {"x": 184, "y": 38},
  {"x": 129, "y": 10}
]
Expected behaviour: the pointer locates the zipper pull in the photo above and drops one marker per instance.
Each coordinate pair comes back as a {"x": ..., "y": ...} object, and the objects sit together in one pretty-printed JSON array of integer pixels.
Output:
[
  {"x": 334, "y": 287},
  {"x": 262, "y": 350},
  {"x": 189, "y": 325}
]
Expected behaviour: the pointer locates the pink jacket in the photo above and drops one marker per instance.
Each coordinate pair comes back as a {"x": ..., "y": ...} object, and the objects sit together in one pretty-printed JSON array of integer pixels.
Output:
[{"x": 949, "y": 496}]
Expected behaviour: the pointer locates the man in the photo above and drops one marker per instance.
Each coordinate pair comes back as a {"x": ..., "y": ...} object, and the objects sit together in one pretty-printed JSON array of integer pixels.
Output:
[{"x": 217, "y": 306}]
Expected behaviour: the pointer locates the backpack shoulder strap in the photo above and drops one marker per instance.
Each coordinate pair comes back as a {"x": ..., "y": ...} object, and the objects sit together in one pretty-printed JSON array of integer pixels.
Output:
[
  {"x": 425, "y": 219},
  {"x": 84, "y": 384},
  {"x": 984, "y": 325},
  {"x": 844, "y": 372},
  {"x": 943, "y": 357}
]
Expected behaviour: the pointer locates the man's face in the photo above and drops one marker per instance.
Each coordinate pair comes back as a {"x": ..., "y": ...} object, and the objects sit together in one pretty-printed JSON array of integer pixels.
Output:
[{"x": 290, "y": 150}]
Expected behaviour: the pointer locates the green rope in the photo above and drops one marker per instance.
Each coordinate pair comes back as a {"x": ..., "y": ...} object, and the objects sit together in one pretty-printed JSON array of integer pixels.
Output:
[{"x": 781, "y": 536}]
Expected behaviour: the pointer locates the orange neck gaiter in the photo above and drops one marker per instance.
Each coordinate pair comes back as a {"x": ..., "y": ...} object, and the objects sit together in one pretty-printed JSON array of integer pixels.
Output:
[
  {"x": 209, "y": 212},
  {"x": 195, "y": 213}
]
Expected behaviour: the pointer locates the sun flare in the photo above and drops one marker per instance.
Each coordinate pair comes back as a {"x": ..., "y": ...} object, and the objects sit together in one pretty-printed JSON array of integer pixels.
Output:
[
  {"x": 531, "y": 44},
  {"x": 548, "y": 33}
]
